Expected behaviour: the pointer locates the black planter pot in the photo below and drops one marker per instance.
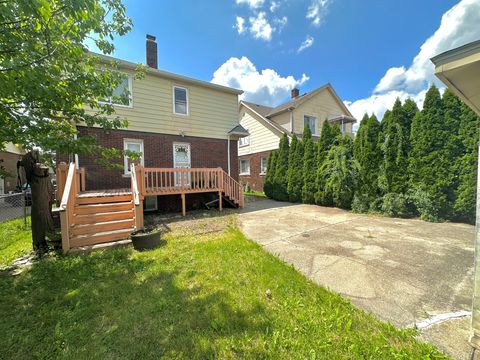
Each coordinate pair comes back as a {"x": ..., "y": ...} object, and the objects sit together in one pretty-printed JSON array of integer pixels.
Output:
[{"x": 146, "y": 239}]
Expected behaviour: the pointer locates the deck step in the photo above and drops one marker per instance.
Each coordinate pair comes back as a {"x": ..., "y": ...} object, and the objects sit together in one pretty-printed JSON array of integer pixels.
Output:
[
  {"x": 102, "y": 217},
  {"x": 102, "y": 208},
  {"x": 101, "y": 237},
  {"x": 102, "y": 199},
  {"x": 102, "y": 226}
]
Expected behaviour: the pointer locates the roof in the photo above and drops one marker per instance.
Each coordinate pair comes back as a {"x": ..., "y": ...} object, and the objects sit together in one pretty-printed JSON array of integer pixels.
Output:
[
  {"x": 344, "y": 118},
  {"x": 239, "y": 130},
  {"x": 261, "y": 109},
  {"x": 254, "y": 107},
  {"x": 293, "y": 103},
  {"x": 169, "y": 75},
  {"x": 455, "y": 54}
]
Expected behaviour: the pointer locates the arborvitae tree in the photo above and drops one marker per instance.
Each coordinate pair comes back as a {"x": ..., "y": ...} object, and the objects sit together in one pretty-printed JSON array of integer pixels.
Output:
[
  {"x": 295, "y": 170},
  {"x": 280, "y": 180},
  {"x": 393, "y": 175},
  {"x": 269, "y": 176},
  {"x": 309, "y": 167},
  {"x": 465, "y": 199},
  {"x": 339, "y": 173},
  {"x": 410, "y": 109},
  {"x": 366, "y": 153},
  {"x": 429, "y": 161},
  {"x": 327, "y": 140}
]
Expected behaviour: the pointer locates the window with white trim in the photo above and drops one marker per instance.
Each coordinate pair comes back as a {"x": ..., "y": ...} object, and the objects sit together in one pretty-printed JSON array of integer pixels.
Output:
[
  {"x": 180, "y": 100},
  {"x": 244, "y": 141},
  {"x": 244, "y": 167},
  {"x": 135, "y": 145},
  {"x": 122, "y": 95},
  {"x": 150, "y": 203},
  {"x": 263, "y": 165},
  {"x": 311, "y": 121}
]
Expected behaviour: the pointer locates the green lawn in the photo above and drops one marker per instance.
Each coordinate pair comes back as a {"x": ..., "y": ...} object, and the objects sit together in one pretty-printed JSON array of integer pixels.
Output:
[
  {"x": 255, "y": 193},
  {"x": 15, "y": 241},
  {"x": 197, "y": 297}
]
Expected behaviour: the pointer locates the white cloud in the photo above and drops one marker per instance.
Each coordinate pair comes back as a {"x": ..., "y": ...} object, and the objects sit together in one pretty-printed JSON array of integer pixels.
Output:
[
  {"x": 280, "y": 22},
  {"x": 240, "y": 25},
  {"x": 254, "y": 4},
  {"x": 274, "y": 5},
  {"x": 260, "y": 28},
  {"x": 265, "y": 87},
  {"x": 317, "y": 11},
  {"x": 458, "y": 26},
  {"x": 306, "y": 43}
]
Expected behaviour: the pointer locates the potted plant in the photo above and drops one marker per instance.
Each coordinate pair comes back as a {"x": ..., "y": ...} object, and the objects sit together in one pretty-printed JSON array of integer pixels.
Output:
[{"x": 146, "y": 238}]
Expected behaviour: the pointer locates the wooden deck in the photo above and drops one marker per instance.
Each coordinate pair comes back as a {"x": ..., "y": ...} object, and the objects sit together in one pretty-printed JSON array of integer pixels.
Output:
[{"x": 100, "y": 216}]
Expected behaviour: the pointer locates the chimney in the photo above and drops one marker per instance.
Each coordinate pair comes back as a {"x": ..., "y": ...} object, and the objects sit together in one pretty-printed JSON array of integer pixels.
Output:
[
  {"x": 295, "y": 93},
  {"x": 152, "y": 56}
]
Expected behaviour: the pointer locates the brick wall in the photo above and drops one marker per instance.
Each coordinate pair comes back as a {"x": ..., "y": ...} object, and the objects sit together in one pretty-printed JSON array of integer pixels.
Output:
[
  {"x": 255, "y": 180},
  {"x": 158, "y": 152},
  {"x": 9, "y": 163}
]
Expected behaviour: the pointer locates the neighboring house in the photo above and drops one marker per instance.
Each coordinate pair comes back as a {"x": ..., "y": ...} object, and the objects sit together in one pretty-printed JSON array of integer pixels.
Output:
[
  {"x": 266, "y": 125},
  {"x": 174, "y": 121},
  {"x": 8, "y": 163}
]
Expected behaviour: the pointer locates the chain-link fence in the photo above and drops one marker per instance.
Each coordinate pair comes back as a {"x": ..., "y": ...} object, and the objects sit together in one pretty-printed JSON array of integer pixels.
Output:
[{"x": 13, "y": 206}]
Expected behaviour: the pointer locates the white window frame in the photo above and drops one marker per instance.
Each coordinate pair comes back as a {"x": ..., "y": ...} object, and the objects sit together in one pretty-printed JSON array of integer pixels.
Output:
[
  {"x": 154, "y": 208},
  {"x": 126, "y": 170},
  {"x": 188, "y": 99},
  {"x": 240, "y": 167},
  {"x": 130, "y": 98},
  {"x": 263, "y": 172},
  {"x": 244, "y": 141},
  {"x": 316, "y": 123}
]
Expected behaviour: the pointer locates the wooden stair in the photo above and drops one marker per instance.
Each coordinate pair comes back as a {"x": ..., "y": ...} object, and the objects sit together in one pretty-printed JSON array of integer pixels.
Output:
[{"x": 101, "y": 217}]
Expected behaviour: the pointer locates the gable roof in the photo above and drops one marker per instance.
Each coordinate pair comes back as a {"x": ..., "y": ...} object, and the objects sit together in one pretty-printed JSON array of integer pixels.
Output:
[{"x": 255, "y": 107}]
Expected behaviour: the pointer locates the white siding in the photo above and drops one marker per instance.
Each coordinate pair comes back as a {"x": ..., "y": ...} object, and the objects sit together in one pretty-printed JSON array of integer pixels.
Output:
[{"x": 262, "y": 137}]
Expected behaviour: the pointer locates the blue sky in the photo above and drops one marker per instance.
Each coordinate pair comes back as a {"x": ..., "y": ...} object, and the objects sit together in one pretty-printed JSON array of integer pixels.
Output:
[{"x": 366, "y": 49}]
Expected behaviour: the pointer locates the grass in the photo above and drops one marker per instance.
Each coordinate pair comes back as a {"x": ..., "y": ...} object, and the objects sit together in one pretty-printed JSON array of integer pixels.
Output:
[
  {"x": 255, "y": 193},
  {"x": 197, "y": 297},
  {"x": 15, "y": 241}
]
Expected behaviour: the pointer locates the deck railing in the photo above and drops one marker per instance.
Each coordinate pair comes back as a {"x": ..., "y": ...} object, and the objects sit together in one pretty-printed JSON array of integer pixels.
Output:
[
  {"x": 67, "y": 203},
  {"x": 62, "y": 171},
  {"x": 233, "y": 189}
]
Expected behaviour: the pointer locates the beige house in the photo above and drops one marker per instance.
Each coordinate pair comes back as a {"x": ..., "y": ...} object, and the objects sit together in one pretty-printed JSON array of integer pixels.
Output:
[
  {"x": 459, "y": 69},
  {"x": 266, "y": 125}
]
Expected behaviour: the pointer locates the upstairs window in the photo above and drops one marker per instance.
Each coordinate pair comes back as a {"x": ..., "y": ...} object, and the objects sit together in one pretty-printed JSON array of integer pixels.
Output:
[
  {"x": 311, "y": 122},
  {"x": 180, "y": 100},
  {"x": 122, "y": 95},
  {"x": 135, "y": 145},
  {"x": 244, "y": 141}
]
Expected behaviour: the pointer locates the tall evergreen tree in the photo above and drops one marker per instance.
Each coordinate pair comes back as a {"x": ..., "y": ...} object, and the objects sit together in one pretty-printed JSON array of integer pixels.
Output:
[
  {"x": 410, "y": 109},
  {"x": 328, "y": 137},
  {"x": 339, "y": 173},
  {"x": 393, "y": 175},
  {"x": 429, "y": 166},
  {"x": 309, "y": 167},
  {"x": 365, "y": 150},
  {"x": 280, "y": 180},
  {"x": 465, "y": 197},
  {"x": 269, "y": 176},
  {"x": 295, "y": 170}
]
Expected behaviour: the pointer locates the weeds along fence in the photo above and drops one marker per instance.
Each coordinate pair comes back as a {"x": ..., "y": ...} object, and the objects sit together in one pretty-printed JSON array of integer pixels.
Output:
[{"x": 14, "y": 206}]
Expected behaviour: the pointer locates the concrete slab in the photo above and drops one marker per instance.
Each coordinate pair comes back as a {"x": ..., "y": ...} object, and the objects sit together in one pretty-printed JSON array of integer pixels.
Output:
[{"x": 403, "y": 271}]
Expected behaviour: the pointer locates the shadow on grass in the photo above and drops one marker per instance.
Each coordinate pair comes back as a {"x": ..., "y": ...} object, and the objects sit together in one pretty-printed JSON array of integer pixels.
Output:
[{"x": 115, "y": 305}]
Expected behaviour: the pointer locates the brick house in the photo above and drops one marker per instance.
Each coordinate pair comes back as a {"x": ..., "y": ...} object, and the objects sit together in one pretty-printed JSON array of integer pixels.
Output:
[
  {"x": 174, "y": 121},
  {"x": 266, "y": 125}
]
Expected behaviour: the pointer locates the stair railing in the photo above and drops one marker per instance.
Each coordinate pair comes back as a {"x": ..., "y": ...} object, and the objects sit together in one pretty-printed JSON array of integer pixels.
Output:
[
  {"x": 137, "y": 196},
  {"x": 70, "y": 191},
  {"x": 233, "y": 189}
]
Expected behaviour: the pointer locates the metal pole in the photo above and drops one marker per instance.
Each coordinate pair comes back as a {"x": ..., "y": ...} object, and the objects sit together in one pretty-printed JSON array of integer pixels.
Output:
[{"x": 475, "y": 338}]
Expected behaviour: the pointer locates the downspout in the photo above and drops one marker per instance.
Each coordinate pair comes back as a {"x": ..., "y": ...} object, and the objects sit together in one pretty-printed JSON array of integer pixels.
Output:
[
  {"x": 228, "y": 153},
  {"x": 292, "y": 129}
]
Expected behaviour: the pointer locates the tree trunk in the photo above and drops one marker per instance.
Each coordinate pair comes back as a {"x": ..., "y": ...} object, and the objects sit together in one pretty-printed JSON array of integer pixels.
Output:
[{"x": 38, "y": 177}]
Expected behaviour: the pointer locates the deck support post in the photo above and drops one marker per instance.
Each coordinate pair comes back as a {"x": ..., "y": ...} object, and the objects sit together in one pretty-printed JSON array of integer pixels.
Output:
[
  {"x": 65, "y": 233},
  {"x": 184, "y": 211},
  {"x": 139, "y": 215},
  {"x": 220, "y": 200}
]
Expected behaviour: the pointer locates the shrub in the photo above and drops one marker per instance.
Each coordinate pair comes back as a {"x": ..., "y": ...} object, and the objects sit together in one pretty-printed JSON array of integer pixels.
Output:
[
  {"x": 361, "y": 203},
  {"x": 395, "y": 205},
  {"x": 429, "y": 206}
]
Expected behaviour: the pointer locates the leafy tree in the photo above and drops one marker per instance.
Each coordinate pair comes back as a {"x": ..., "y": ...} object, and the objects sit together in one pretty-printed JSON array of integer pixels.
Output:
[
  {"x": 309, "y": 167},
  {"x": 429, "y": 166},
  {"x": 465, "y": 197},
  {"x": 295, "y": 170},
  {"x": 280, "y": 180},
  {"x": 328, "y": 138},
  {"x": 269, "y": 176},
  {"x": 48, "y": 80},
  {"x": 365, "y": 150},
  {"x": 393, "y": 174},
  {"x": 339, "y": 173}
]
